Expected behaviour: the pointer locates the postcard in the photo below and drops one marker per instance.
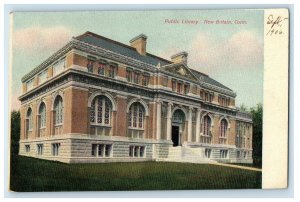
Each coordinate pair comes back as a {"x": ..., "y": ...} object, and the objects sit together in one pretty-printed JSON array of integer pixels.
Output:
[{"x": 149, "y": 100}]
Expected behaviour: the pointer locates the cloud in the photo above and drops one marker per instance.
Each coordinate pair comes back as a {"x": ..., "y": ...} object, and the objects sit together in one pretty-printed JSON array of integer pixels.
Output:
[
  {"x": 241, "y": 50},
  {"x": 38, "y": 39}
]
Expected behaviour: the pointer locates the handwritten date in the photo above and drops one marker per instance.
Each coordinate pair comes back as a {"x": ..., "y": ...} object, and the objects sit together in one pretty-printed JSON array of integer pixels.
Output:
[{"x": 275, "y": 24}]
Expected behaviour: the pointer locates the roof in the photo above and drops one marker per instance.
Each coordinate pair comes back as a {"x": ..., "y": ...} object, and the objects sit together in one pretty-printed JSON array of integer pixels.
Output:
[
  {"x": 206, "y": 79},
  {"x": 123, "y": 49},
  {"x": 120, "y": 48}
]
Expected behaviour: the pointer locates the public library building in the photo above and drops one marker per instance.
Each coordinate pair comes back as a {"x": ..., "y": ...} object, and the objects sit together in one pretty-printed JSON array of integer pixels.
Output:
[{"x": 98, "y": 100}]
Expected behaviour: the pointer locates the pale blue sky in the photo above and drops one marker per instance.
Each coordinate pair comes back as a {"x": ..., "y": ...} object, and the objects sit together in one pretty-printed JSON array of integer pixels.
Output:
[{"x": 231, "y": 54}]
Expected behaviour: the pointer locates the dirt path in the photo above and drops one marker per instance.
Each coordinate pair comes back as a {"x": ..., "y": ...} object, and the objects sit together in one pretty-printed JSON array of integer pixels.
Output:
[{"x": 236, "y": 166}]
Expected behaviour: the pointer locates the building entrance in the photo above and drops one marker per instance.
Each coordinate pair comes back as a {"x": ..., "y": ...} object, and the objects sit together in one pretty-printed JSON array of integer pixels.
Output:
[{"x": 175, "y": 136}]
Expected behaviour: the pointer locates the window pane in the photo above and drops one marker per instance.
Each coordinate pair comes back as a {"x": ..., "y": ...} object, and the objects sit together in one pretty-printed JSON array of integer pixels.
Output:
[
  {"x": 92, "y": 112},
  {"x": 100, "y": 108}
]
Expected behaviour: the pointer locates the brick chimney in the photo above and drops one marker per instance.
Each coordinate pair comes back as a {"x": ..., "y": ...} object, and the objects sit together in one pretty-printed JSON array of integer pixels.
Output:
[
  {"x": 139, "y": 43},
  {"x": 180, "y": 57}
]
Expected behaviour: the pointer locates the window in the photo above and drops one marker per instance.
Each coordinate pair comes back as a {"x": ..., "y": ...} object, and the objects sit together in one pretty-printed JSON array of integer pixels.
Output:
[
  {"x": 101, "y": 150},
  {"x": 186, "y": 88},
  {"x": 59, "y": 67},
  {"x": 165, "y": 81},
  {"x": 205, "y": 130},
  {"x": 223, "y": 101},
  {"x": 208, "y": 97},
  {"x": 29, "y": 122},
  {"x": 178, "y": 116},
  {"x": 223, "y": 128},
  {"x": 90, "y": 66},
  {"x": 206, "y": 125},
  {"x": 223, "y": 154},
  {"x": 43, "y": 76},
  {"x": 42, "y": 116},
  {"x": 173, "y": 85},
  {"x": 245, "y": 155},
  {"x": 55, "y": 149},
  {"x": 179, "y": 86},
  {"x": 238, "y": 154},
  {"x": 136, "y": 116},
  {"x": 58, "y": 108},
  {"x": 207, "y": 153},
  {"x": 101, "y": 69},
  {"x": 112, "y": 71},
  {"x": 201, "y": 94},
  {"x": 129, "y": 74},
  {"x": 100, "y": 113},
  {"x": 145, "y": 81},
  {"x": 136, "y": 78},
  {"x": 27, "y": 148},
  {"x": 29, "y": 84},
  {"x": 40, "y": 149},
  {"x": 136, "y": 151}
]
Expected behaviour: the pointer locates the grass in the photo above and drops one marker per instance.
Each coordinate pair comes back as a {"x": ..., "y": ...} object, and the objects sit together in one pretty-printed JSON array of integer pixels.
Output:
[{"x": 29, "y": 174}]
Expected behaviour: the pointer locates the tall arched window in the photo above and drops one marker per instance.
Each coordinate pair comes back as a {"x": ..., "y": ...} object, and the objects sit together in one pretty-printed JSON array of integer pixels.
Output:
[
  {"x": 41, "y": 120},
  {"x": 58, "y": 108},
  {"x": 29, "y": 122},
  {"x": 223, "y": 131},
  {"x": 42, "y": 116},
  {"x": 136, "y": 116},
  {"x": 206, "y": 124},
  {"x": 100, "y": 113}
]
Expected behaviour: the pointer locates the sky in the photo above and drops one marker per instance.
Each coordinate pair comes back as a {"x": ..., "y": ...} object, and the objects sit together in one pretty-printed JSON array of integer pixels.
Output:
[{"x": 229, "y": 53}]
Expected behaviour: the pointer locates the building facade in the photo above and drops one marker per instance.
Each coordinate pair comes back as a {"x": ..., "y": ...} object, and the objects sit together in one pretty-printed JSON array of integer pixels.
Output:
[{"x": 98, "y": 100}]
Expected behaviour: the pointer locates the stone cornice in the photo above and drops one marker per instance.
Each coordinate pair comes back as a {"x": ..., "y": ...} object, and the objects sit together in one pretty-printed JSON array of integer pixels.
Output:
[{"x": 48, "y": 61}]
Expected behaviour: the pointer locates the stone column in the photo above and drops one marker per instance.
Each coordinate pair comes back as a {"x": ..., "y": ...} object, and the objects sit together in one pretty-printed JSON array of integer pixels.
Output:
[
  {"x": 169, "y": 121},
  {"x": 158, "y": 120},
  {"x": 190, "y": 125},
  {"x": 198, "y": 125}
]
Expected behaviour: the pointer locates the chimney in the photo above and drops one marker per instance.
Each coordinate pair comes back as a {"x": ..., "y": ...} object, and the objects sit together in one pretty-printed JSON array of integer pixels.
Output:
[
  {"x": 139, "y": 43},
  {"x": 180, "y": 57}
]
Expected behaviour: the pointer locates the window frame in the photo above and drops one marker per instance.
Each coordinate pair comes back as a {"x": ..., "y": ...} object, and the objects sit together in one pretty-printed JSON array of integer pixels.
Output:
[
  {"x": 40, "y": 149},
  {"x": 137, "y": 151},
  {"x": 59, "y": 108},
  {"x": 94, "y": 109},
  {"x": 42, "y": 116},
  {"x": 140, "y": 116},
  {"x": 102, "y": 150},
  {"x": 55, "y": 149}
]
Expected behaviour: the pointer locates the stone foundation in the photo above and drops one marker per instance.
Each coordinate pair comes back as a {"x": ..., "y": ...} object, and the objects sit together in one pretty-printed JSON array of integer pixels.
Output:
[{"x": 78, "y": 149}]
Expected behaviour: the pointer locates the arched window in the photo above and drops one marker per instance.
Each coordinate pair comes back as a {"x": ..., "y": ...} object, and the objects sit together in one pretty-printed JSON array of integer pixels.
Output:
[
  {"x": 100, "y": 112},
  {"x": 58, "y": 108},
  {"x": 136, "y": 116},
  {"x": 42, "y": 116},
  {"x": 29, "y": 122},
  {"x": 178, "y": 116},
  {"x": 206, "y": 124},
  {"x": 223, "y": 128}
]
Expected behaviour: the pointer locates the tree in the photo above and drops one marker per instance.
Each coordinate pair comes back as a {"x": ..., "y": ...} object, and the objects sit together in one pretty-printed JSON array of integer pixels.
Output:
[
  {"x": 257, "y": 115},
  {"x": 243, "y": 108},
  {"x": 15, "y": 132}
]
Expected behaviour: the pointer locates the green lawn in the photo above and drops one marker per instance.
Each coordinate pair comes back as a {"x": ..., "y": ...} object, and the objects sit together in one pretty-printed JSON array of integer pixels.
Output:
[{"x": 29, "y": 174}]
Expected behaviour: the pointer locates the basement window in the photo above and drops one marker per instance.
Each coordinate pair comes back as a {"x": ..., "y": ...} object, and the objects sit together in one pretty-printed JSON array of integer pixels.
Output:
[
  {"x": 101, "y": 150},
  {"x": 136, "y": 151},
  {"x": 223, "y": 154},
  {"x": 27, "y": 148},
  {"x": 55, "y": 149}
]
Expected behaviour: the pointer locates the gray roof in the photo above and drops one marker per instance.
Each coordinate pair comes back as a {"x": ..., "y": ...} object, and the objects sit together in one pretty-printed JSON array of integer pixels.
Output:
[
  {"x": 129, "y": 51},
  {"x": 120, "y": 48},
  {"x": 206, "y": 79}
]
